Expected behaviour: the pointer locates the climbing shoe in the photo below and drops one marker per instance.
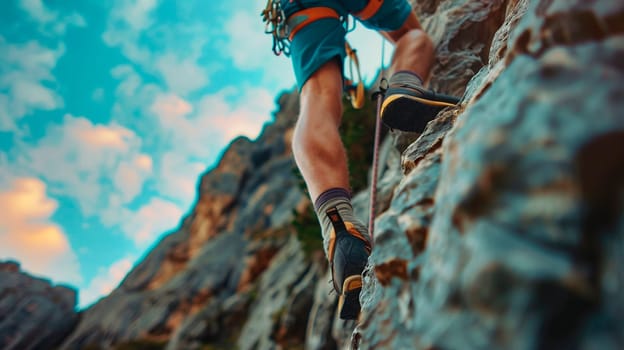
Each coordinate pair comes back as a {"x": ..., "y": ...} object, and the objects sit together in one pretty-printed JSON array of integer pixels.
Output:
[
  {"x": 348, "y": 255},
  {"x": 408, "y": 106}
]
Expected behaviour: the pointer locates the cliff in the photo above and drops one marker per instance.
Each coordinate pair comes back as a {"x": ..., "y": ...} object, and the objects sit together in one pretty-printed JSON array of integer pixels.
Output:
[
  {"x": 506, "y": 230},
  {"x": 500, "y": 227},
  {"x": 34, "y": 314}
]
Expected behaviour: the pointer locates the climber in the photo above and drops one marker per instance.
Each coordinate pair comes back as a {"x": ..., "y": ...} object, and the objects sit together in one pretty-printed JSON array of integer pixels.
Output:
[{"x": 316, "y": 43}]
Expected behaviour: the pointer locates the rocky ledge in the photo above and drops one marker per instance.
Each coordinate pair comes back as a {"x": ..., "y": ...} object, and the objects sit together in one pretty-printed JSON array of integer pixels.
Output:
[{"x": 34, "y": 314}]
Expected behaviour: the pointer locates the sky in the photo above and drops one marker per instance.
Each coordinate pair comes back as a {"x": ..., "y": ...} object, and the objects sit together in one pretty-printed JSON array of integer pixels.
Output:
[{"x": 109, "y": 113}]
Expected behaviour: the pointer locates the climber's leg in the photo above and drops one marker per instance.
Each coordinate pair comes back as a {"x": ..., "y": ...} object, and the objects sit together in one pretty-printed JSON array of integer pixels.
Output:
[
  {"x": 322, "y": 160},
  {"x": 408, "y": 106},
  {"x": 317, "y": 146},
  {"x": 317, "y": 55},
  {"x": 414, "y": 50}
]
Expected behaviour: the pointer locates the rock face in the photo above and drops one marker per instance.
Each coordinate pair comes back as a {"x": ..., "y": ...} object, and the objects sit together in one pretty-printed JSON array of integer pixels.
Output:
[
  {"x": 506, "y": 231},
  {"x": 34, "y": 314},
  {"x": 500, "y": 227}
]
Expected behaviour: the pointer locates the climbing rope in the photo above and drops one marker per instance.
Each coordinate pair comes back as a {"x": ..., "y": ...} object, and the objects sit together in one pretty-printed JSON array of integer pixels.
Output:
[{"x": 379, "y": 95}]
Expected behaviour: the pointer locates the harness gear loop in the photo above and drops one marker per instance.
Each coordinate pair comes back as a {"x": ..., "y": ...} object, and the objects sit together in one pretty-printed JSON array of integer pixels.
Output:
[
  {"x": 275, "y": 24},
  {"x": 355, "y": 92}
]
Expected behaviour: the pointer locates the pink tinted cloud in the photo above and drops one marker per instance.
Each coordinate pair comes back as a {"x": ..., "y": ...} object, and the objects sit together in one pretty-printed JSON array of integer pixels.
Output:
[
  {"x": 105, "y": 281},
  {"x": 29, "y": 235},
  {"x": 244, "y": 118},
  {"x": 90, "y": 163},
  {"x": 130, "y": 177},
  {"x": 178, "y": 177},
  {"x": 152, "y": 220},
  {"x": 100, "y": 136},
  {"x": 170, "y": 107},
  {"x": 197, "y": 133}
]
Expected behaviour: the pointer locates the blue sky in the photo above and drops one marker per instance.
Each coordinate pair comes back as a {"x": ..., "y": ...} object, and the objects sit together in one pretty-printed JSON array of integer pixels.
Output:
[{"x": 109, "y": 113}]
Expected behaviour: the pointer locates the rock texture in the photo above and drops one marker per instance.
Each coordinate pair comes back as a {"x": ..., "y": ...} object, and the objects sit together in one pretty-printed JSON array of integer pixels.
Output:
[
  {"x": 506, "y": 231},
  {"x": 34, "y": 314},
  {"x": 500, "y": 227}
]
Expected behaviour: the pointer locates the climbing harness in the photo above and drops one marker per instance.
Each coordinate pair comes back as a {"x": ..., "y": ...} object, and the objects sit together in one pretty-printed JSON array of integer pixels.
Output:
[
  {"x": 369, "y": 10},
  {"x": 379, "y": 96},
  {"x": 283, "y": 30},
  {"x": 302, "y": 18}
]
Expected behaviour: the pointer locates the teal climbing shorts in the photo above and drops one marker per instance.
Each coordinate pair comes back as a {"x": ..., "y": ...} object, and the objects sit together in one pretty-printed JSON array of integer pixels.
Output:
[{"x": 324, "y": 39}]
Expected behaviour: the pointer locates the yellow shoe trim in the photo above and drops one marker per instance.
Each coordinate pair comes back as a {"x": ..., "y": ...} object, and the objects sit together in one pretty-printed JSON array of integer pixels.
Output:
[
  {"x": 395, "y": 97},
  {"x": 351, "y": 283}
]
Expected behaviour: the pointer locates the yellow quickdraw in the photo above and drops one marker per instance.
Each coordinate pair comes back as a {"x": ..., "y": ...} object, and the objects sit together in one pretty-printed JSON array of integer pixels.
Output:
[{"x": 355, "y": 92}]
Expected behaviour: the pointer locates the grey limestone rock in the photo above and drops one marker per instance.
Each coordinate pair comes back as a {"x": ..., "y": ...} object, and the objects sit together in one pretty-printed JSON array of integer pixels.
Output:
[
  {"x": 514, "y": 219},
  {"x": 34, "y": 314}
]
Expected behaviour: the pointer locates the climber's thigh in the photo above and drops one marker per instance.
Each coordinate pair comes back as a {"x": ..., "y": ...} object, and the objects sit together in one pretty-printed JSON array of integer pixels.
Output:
[{"x": 316, "y": 44}]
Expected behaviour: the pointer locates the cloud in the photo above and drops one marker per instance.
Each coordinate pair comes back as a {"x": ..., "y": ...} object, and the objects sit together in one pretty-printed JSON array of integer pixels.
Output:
[
  {"x": 197, "y": 133},
  {"x": 178, "y": 176},
  {"x": 170, "y": 107},
  {"x": 244, "y": 115},
  {"x": 131, "y": 26},
  {"x": 134, "y": 14},
  {"x": 102, "y": 168},
  {"x": 189, "y": 139},
  {"x": 99, "y": 166},
  {"x": 249, "y": 48},
  {"x": 151, "y": 221},
  {"x": 131, "y": 175},
  {"x": 181, "y": 75},
  {"x": 248, "y": 44},
  {"x": 133, "y": 98},
  {"x": 29, "y": 235},
  {"x": 231, "y": 112},
  {"x": 27, "y": 83},
  {"x": 105, "y": 281},
  {"x": 126, "y": 24},
  {"x": 49, "y": 20},
  {"x": 98, "y": 95},
  {"x": 38, "y": 10}
]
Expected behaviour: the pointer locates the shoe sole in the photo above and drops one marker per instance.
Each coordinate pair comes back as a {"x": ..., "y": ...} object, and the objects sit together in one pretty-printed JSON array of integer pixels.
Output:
[
  {"x": 349, "y": 301},
  {"x": 410, "y": 113}
]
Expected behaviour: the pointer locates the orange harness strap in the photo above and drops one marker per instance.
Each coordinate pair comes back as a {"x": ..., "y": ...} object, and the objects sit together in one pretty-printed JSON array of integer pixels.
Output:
[
  {"x": 369, "y": 10},
  {"x": 302, "y": 18}
]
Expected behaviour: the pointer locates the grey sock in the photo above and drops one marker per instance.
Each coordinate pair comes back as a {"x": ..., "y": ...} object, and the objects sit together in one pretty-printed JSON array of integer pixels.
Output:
[
  {"x": 339, "y": 199},
  {"x": 405, "y": 77}
]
